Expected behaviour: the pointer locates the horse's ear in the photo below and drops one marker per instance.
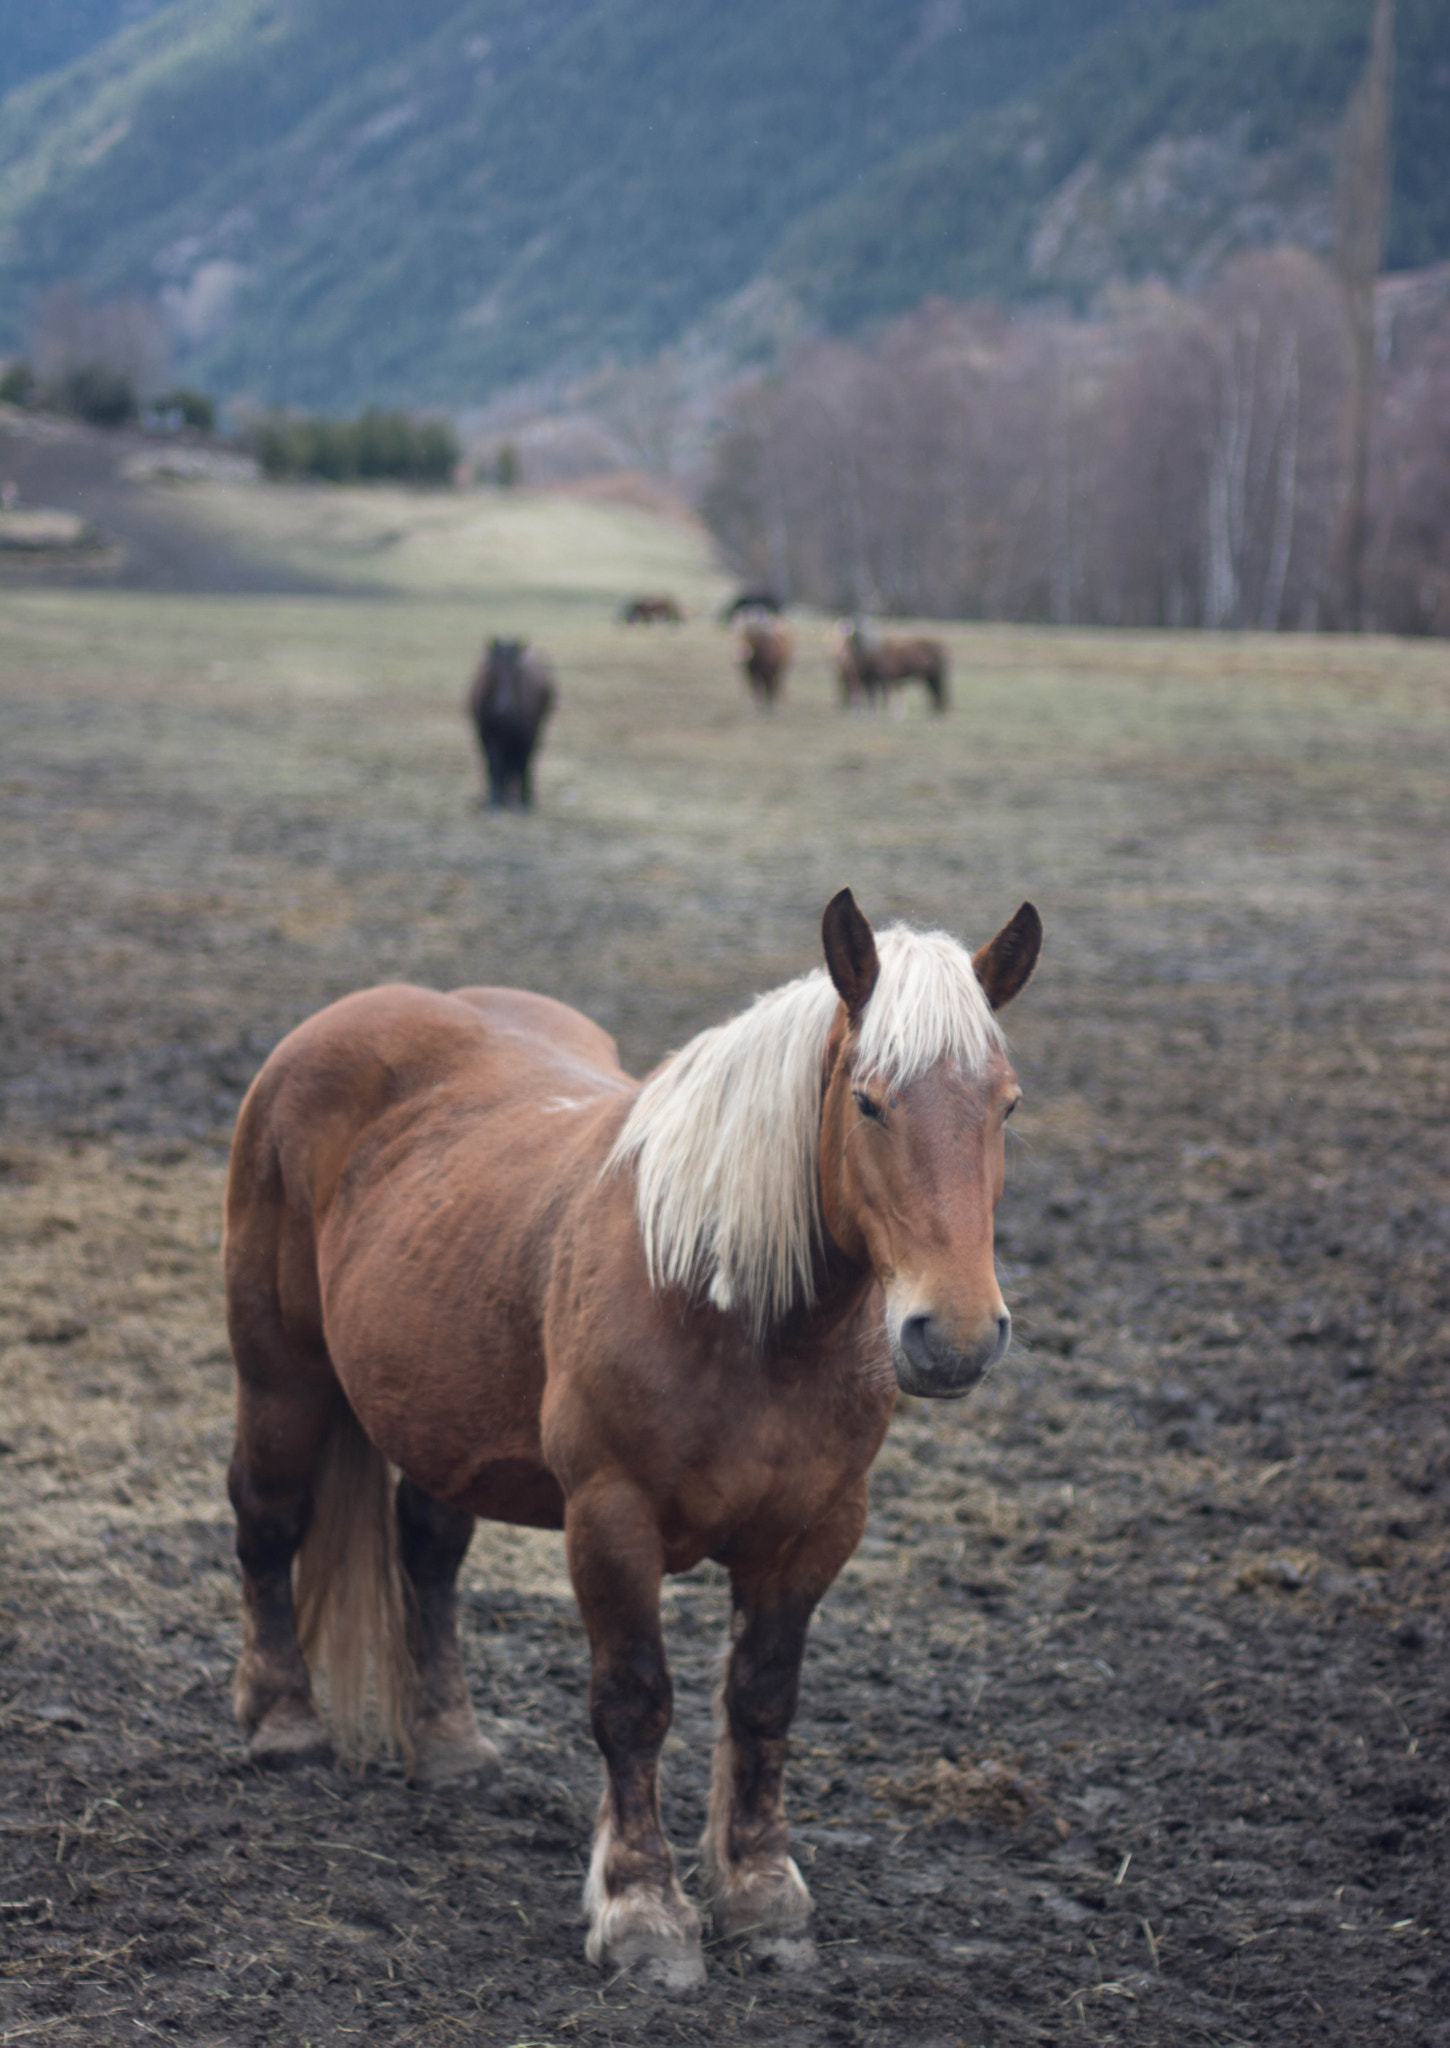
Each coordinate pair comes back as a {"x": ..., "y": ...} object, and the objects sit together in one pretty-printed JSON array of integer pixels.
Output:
[
  {"x": 850, "y": 952},
  {"x": 1004, "y": 965}
]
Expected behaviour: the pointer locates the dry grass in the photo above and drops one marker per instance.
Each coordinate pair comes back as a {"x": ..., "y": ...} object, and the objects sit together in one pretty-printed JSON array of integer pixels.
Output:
[{"x": 500, "y": 546}]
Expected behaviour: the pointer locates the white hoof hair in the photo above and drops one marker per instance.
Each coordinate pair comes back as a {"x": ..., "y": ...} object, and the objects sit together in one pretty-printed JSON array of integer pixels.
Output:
[
  {"x": 763, "y": 1900},
  {"x": 649, "y": 1930}
]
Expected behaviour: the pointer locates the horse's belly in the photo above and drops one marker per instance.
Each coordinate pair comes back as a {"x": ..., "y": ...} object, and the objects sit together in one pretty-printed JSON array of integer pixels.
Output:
[
  {"x": 453, "y": 1410},
  {"x": 433, "y": 1331},
  {"x": 515, "y": 1490}
]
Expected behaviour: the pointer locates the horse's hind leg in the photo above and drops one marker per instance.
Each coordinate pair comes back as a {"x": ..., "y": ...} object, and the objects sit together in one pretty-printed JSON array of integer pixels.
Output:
[
  {"x": 432, "y": 1540},
  {"x": 281, "y": 1430}
]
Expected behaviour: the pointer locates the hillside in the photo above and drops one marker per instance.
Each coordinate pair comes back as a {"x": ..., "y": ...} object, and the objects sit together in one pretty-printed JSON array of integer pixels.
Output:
[
  {"x": 424, "y": 201},
  {"x": 36, "y": 39},
  {"x": 1187, "y": 133}
]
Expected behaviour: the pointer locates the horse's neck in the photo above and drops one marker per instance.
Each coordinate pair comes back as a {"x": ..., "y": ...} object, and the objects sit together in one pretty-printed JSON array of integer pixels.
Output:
[{"x": 842, "y": 1289}]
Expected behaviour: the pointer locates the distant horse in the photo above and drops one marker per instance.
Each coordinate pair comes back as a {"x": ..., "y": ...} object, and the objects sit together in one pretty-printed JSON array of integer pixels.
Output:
[
  {"x": 669, "y": 1319},
  {"x": 869, "y": 668},
  {"x": 511, "y": 695},
  {"x": 751, "y": 601},
  {"x": 766, "y": 648},
  {"x": 651, "y": 611}
]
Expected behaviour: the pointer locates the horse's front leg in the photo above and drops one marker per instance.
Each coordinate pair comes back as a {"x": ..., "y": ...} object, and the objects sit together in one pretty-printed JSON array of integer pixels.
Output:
[
  {"x": 639, "y": 1919},
  {"x": 756, "y": 1892}
]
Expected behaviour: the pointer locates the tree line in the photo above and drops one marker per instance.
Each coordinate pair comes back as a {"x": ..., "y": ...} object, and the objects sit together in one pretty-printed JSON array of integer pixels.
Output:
[
  {"x": 1177, "y": 462},
  {"x": 377, "y": 445}
]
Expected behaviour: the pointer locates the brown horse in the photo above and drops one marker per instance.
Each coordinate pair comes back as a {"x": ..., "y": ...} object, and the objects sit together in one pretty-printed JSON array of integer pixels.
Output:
[
  {"x": 651, "y": 611},
  {"x": 766, "y": 648},
  {"x": 870, "y": 668},
  {"x": 670, "y": 1319}
]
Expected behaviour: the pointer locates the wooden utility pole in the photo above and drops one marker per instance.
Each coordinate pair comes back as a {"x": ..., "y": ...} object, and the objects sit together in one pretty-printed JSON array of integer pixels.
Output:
[{"x": 1361, "y": 202}]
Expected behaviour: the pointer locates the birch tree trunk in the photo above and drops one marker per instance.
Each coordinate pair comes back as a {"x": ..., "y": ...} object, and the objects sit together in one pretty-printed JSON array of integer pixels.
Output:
[
  {"x": 1361, "y": 200},
  {"x": 1285, "y": 486}
]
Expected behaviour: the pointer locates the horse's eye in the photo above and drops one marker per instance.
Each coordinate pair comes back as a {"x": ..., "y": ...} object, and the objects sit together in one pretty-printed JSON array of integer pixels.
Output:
[
  {"x": 867, "y": 1107},
  {"x": 1011, "y": 1107}
]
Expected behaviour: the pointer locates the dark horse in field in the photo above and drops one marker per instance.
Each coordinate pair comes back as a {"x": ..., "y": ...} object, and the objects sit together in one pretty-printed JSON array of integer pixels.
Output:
[
  {"x": 651, "y": 611},
  {"x": 668, "y": 1318},
  {"x": 511, "y": 695},
  {"x": 869, "y": 668},
  {"x": 766, "y": 648},
  {"x": 751, "y": 601}
]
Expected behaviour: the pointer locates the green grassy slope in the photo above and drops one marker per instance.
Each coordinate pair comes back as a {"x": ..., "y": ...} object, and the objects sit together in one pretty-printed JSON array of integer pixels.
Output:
[
  {"x": 421, "y": 200},
  {"x": 424, "y": 198}
]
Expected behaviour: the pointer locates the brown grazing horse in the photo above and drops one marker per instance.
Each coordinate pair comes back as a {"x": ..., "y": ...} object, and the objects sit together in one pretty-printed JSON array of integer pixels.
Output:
[
  {"x": 511, "y": 695},
  {"x": 766, "y": 648},
  {"x": 670, "y": 1318},
  {"x": 651, "y": 611},
  {"x": 869, "y": 668}
]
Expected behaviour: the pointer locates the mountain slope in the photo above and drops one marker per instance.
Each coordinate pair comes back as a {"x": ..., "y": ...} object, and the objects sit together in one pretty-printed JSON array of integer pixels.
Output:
[
  {"x": 35, "y": 39},
  {"x": 423, "y": 200},
  {"x": 1187, "y": 133},
  {"x": 436, "y": 197}
]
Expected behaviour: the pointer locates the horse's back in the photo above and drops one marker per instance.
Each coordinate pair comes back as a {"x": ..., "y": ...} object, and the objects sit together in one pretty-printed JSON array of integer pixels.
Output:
[
  {"x": 554, "y": 1030},
  {"x": 372, "y": 1051},
  {"x": 389, "y": 1057}
]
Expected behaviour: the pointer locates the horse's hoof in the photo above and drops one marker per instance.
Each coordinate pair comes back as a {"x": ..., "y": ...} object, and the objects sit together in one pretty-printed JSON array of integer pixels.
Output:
[
  {"x": 676, "y": 1971},
  {"x": 764, "y": 1906},
  {"x": 651, "y": 1936},
  {"x": 447, "y": 1758},
  {"x": 289, "y": 1734}
]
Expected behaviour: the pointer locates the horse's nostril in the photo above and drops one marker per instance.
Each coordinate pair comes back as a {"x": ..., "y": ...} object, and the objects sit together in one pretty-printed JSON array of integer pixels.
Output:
[{"x": 916, "y": 1342}]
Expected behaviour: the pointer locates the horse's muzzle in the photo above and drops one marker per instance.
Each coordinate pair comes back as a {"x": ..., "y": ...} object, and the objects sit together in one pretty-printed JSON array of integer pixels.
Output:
[{"x": 931, "y": 1364}]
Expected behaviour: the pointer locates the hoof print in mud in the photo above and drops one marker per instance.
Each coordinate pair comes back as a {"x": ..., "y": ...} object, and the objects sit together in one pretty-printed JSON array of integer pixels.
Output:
[
  {"x": 669, "y": 1973},
  {"x": 788, "y": 1955}
]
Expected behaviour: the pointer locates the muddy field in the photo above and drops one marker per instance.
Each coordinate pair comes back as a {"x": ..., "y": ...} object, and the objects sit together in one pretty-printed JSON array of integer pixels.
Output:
[{"x": 1130, "y": 1721}]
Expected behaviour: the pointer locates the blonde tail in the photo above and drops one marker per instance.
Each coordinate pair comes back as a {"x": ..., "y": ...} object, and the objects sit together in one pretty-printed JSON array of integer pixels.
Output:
[{"x": 349, "y": 1597}]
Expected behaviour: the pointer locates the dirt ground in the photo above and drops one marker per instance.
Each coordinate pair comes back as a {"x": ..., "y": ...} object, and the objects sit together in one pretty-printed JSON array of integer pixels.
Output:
[
  {"x": 130, "y": 490},
  {"x": 1130, "y": 1720}
]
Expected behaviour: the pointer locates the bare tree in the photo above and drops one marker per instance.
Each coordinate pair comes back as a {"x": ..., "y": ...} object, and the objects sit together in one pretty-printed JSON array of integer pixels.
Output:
[
  {"x": 1278, "y": 452},
  {"x": 642, "y": 405},
  {"x": 1173, "y": 462},
  {"x": 1407, "y": 580},
  {"x": 124, "y": 337},
  {"x": 1361, "y": 200}
]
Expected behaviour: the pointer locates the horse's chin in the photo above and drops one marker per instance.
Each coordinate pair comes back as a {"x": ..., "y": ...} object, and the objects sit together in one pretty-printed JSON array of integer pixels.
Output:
[{"x": 937, "y": 1383}]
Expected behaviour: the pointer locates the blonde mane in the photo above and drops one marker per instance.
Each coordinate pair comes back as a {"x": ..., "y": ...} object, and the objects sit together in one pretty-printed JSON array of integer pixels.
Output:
[{"x": 723, "y": 1136}]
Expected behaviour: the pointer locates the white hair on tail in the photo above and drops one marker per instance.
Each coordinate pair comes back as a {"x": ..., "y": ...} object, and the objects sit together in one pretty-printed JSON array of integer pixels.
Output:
[{"x": 723, "y": 1136}]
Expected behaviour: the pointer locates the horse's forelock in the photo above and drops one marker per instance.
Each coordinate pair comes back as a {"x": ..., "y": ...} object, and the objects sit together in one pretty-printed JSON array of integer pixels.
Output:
[{"x": 927, "y": 1006}]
